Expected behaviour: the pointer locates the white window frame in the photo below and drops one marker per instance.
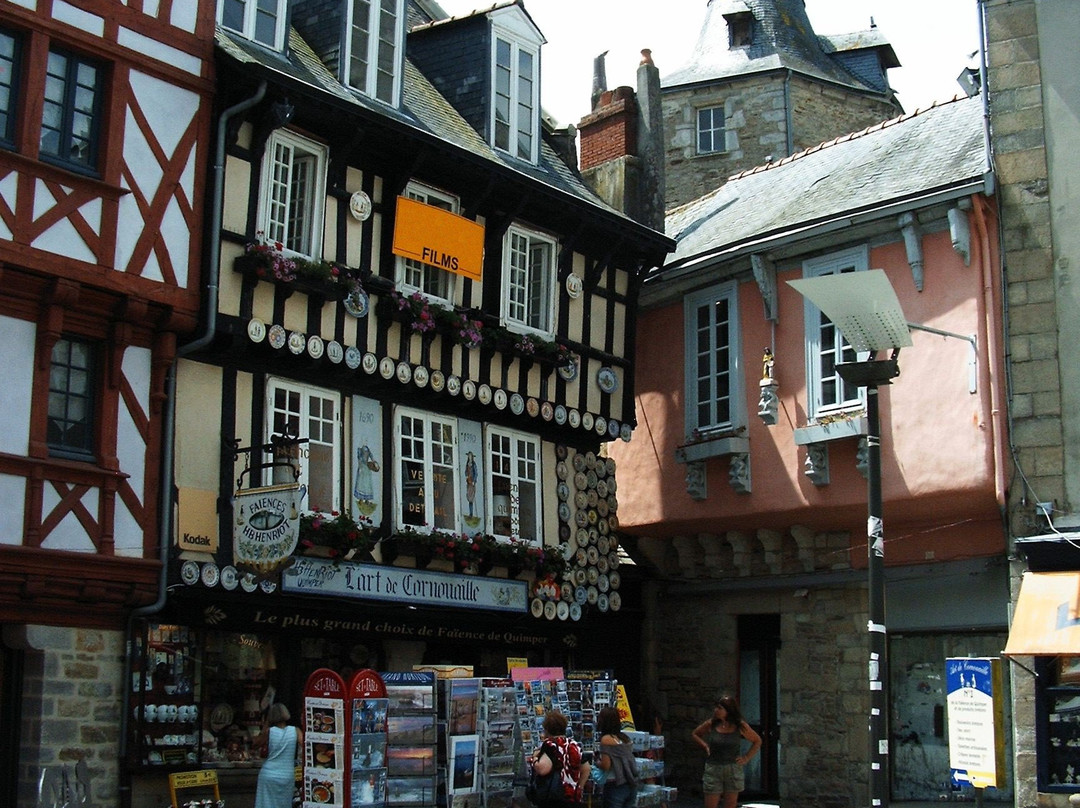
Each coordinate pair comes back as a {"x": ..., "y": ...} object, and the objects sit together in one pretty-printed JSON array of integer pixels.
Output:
[
  {"x": 424, "y": 449},
  {"x": 696, "y": 355},
  {"x": 251, "y": 13},
  {"x": 287, "y": 155},
  {"x": 377, "y": 47},
  {"x": 523, "y": 114},
  {"x": 301, "y": 418},
  {"x": 528, "y": 293},
  {"x": 506, "y": 472},
  {"x": 854, "y": 259},
  {"x": 415, "y": 276},
  {"x": 717, "y": 135}
]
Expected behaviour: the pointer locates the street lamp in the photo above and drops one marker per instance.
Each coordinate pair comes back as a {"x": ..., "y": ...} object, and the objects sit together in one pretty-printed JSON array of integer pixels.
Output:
[{"x": 864, "y": 307}]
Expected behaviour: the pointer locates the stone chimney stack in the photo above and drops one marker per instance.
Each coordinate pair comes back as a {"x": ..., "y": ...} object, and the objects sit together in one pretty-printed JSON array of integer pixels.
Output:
[{"x": 622, "y": 144}]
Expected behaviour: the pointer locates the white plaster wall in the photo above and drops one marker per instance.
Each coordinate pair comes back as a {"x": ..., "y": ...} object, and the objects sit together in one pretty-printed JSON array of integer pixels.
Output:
[
  {"x": 17, "y": 337},
  {"x": 131, "y": 451}
]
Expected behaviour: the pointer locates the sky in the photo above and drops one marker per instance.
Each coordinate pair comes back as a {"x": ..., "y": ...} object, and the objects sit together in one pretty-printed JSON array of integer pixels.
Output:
[{"x": 932, "y": 39}]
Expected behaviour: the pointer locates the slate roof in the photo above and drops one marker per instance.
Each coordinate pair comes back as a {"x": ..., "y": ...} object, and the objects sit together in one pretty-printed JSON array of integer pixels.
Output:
[
  {"x": 925, "y": 152},
  {"x": 423, "y": 110},
  {"x": 783, "y": 39}
]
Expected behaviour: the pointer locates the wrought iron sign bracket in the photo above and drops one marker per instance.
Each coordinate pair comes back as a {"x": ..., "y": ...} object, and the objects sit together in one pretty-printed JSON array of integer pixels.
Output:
[{"x": 277, "y": 449}]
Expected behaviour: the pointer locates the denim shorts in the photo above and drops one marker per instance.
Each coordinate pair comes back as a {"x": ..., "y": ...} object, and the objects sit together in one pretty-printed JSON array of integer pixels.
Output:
[{"x": 721, "y": 778}]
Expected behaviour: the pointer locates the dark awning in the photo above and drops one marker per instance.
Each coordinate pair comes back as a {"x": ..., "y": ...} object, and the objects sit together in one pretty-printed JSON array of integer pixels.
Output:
[{"x": 1047, "y": 615}]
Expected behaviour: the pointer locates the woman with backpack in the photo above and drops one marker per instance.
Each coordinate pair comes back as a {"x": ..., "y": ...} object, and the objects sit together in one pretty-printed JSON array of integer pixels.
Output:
[{"x": 558, "y": 771}]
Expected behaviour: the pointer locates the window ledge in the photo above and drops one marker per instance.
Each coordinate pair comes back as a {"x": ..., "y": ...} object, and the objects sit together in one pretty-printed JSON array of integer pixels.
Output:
[
  {"x": 853, "y": 427},
  {"x": 716, "y": 447}
]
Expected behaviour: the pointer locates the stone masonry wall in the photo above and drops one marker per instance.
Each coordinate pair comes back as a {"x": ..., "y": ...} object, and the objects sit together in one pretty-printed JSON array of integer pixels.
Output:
[
  {"x": 755, "y": 120},
  {"x": 70, "y": 708},
  {"x": 1016, "y": 112},
  {"x": 823, "y": 699}
]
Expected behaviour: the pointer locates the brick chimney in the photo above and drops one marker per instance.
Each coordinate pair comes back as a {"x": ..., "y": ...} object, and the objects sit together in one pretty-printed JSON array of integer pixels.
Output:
[{"x": 622, "y": 144}]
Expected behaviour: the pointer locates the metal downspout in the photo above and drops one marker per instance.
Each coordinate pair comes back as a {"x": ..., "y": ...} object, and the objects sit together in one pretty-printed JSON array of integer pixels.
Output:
[{"x": 169, "y": 425}]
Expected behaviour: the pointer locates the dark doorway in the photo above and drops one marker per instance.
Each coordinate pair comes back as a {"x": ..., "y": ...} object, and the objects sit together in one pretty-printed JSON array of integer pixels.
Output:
[{"x": 759, "y": 646}]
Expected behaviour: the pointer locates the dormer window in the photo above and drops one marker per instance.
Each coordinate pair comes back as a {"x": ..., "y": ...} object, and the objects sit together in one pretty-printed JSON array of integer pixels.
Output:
[
  {"x": 374, "y": 44},
  {"x": 515, "y": 81},
  {"x": 261, "y": 21},
  {"x": 740, "y": 29}
]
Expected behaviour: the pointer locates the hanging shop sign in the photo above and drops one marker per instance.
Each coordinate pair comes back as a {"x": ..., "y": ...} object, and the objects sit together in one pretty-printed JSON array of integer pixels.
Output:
[
  {"x": 438, "y": 238},
  {"x": 976, "y": 721},
  {"x": 267, "y": 525},
  {"x": 318, "y": 576}
]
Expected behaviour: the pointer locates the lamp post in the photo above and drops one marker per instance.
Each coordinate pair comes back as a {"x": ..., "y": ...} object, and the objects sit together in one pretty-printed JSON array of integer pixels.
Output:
[{"x": 864, "y": 308}]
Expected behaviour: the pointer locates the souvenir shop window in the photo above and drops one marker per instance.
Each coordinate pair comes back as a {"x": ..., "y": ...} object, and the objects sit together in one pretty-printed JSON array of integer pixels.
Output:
[{"x": 1060, "y": 714}]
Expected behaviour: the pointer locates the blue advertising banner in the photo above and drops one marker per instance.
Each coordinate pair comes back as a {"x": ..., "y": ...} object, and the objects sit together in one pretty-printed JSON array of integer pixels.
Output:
[{"x": 976, "y": 721}]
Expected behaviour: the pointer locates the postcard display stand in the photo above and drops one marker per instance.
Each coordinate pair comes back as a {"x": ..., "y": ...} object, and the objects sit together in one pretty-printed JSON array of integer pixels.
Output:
[
  {"x": 411, "y": 740},
  {"x": 367, "y": 740},
  {"x": 500, "y": 742},
  {"x": 325, "y": 785}
]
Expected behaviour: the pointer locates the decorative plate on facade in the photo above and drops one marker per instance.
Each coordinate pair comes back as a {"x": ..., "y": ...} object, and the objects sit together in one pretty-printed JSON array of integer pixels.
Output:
[
  {"x": 600, "y": 425},
  {"x": 601, "y": 506},
  {"x": 315, "y": 346},
  {"x": 267, "y": 586},
  {"x": 360, "y": 206},
  {"x": 517, "y": 404},
  {"x": 580, "y": 481},
  {"x": 404, "y": 372},
  {"x": 609, "y": 464},
  {"x": 574, "y": 419},
  {"x": 594, "y": 556},
  {"x": 277, "y": 336},
  {"x": 547, "y": 412},
  {"x": 586, "y": 420},
  {"x": 613, "y": 522},
  {"x": 370, "y": 362},
  {"x": 625, "y": 432},
  {"x": 581, "y": 595},
  {"x": 420, "y": 376},
  {"x": 453, "y": 385},
  {"x": 581, "y": 461},
  {"x": 614, "y": 579},
  {"x": 560, "y": 414},
  {"x": 536, "y": 607},
  {"x": 592, "y": 593},
  {"x": 614, "y": 601},
  {"x": 591, "y": 499},
  {"x": 613, "y": 429},
  {"x": 229, "y": 577},
  {"x": 210, "y": 574},
  {"x": 567, "y": 592},
  {"x": 594, "y": 535},
  {"x": 532, "y": 407},
  {"x": 561, "y": 470},
  {"x": 581, "y": 499},
  {"x": 580, "y": 578},
  {"x": 581, "y": 557},
  {"x": 602, "y": 581},
  {"x": 591, "y": 479},
  {"x": 592, "y": 517},
  {"x": 189, "y": 573},
  {"x": 607, "y": 380},
  {"x": 602, "y": 601},
  {"x": 562, "y": 610},
  {"x": 357, "y": 302},
  {"x": 582, "y": 537},
  {"x": 483, "y": 395},
  {"x": 569, "y": 371},
  {"x": 438, "y": 381},
  {"x": 353, "y": 357},
  {"x": 550, "y": 610},
  {"x": 589, "y": 460},
  {"x": 562, "y": 491},
  {"x": 603, "y": 566},
  {"x": 574, "y": 286},
  {"x": 297, "y": 343},
  {"x": 256, "y": 330},
  {"x": 564, "y": 532},
  {"x": 561, "y": 451},
  {"x": 613, "y": 560},
  {"x": 601, "y": 524},
  {"x": 564, "y": 511},
  {"x": 248, "y": 582},
  {"x": 386, "y": 367},
  {"x": 334, "y": 352},
  {"x": 575, "y": 611}
]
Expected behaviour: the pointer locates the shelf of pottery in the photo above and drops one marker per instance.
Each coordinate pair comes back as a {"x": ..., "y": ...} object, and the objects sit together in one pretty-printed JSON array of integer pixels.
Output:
[{"x": 164, "y": 703}]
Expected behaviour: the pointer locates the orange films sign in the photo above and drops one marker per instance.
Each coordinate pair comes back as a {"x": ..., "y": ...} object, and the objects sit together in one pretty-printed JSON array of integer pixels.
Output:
[{"x": 439, "y": 238}]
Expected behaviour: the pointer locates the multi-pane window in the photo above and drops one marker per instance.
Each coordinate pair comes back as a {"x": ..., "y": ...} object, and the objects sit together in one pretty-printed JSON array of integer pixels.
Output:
[
  {"x": 9, "y": 65},
  {"x": 528, "y": 280},
  {"x": 432, "y": 281},
  {"x": 514, "y": 482},
  {"x": 260, "y": 20},
  {"x": 710, "y": 130},
  {"x": 374, "y": 48},
  {"x": 713, "y": 385},
  {"x": 293, "y": 196},
  {"x": 826, "y": 346},
  {"x": 72, "y": 396},
  {"x": 426, "y": 471},
  {"x": 71, "y": 110},
  {"x": 313, "y": 413},
  {"x": 515, "y": 101}
]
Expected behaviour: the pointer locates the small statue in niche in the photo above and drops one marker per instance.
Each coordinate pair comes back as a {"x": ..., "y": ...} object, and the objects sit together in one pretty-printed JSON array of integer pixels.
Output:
[{"x": 767, "y": 364}]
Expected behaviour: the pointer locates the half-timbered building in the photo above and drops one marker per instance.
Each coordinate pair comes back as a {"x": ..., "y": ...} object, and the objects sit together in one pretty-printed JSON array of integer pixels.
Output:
[
  {"x": 104, "y": 122},
  {"x": 390, "y": 435}
]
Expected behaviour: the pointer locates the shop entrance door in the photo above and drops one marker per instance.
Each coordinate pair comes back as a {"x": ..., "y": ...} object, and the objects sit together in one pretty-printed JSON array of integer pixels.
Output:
[{"x": 759, "y": 645}]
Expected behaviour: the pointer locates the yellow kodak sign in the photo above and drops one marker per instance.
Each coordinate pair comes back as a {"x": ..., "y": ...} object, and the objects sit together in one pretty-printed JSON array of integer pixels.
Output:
[{"x": 438, "y": 238}]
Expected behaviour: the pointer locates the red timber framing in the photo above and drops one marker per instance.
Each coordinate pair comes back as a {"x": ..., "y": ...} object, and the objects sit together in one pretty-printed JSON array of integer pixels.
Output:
[{"x": 111, "y": 254}]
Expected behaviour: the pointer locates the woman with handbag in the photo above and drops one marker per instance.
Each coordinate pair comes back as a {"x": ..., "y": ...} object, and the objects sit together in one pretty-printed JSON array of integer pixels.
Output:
[
  {"x": 277, "y": 776},
  {"x": 616, "y": 761},
  {"x": 557, "y": 768}
]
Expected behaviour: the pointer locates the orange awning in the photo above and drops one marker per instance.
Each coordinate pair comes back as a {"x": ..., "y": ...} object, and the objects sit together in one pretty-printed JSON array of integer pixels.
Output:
[{"x": 1047, "y": 615}]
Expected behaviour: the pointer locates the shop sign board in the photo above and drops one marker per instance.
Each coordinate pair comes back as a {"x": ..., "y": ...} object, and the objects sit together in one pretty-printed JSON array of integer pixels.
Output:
[
  {"x": 267, "y": 525},
  {"x": 976, "y": 721},
  {"x": 438, "y": 238},
  {"x": 320, "y": 576}
]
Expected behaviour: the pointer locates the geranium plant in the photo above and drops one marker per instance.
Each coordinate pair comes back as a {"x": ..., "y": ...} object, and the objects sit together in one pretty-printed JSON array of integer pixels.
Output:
[{"x": 344, "y": 537}]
